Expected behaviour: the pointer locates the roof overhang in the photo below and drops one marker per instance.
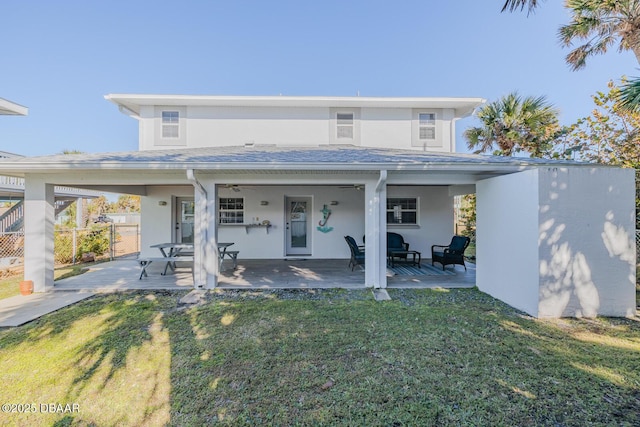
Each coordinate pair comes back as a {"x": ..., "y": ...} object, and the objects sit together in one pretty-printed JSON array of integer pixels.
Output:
[
  {"x": 132, "y": 102},
  {"x": 12, "y": 109},
  {"x": 273, "y": 160}
]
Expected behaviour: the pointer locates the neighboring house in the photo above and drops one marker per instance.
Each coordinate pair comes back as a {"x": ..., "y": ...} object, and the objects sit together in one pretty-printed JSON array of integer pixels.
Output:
[
  {"x": 553, "y": 238},
  {"x": 12, "y": 188}
]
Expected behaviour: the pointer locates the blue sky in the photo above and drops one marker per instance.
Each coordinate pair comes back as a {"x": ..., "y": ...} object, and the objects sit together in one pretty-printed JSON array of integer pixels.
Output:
[{"x": 60, "y": 58}]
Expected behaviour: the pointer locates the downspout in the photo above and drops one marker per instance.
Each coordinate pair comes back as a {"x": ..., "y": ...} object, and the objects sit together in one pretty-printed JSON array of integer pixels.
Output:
[
  {"x": 191, "y": 177},
  {"x": 452, "y": 136},
  {"x": 381, "y": 181}
]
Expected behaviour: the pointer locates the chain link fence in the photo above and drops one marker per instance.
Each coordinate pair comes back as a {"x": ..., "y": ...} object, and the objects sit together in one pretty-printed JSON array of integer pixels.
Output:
[
  {"x": 100, "y": 242},
  {"x": 104, "y": 242},
  {"x": 11, "y": 253}
]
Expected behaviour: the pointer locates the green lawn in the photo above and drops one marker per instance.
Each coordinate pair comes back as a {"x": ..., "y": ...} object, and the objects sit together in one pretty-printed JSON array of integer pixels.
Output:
[
  {"x": 330, "y": 357},
  {"x": 10, "y": 286}
]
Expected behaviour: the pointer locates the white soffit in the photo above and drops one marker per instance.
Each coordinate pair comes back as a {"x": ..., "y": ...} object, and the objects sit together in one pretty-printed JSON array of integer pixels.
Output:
[
  {"x": 133, "y": 102},
  {"x": 12, "y": 109}
]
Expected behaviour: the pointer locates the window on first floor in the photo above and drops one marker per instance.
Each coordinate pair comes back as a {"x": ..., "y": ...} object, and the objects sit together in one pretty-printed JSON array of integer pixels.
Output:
[
  {"x": 402, "y": 210},
  {"x": 231, "y": 210}
]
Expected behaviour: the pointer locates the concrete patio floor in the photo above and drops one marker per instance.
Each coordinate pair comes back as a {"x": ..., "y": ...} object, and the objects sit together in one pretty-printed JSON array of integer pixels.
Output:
[{"x": 259, "y": 274}]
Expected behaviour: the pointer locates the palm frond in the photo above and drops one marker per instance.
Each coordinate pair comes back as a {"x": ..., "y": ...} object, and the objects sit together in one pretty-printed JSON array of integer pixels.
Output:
[
  {"x": 629, "y": 97},
  {"x": 513, "y": 5}
]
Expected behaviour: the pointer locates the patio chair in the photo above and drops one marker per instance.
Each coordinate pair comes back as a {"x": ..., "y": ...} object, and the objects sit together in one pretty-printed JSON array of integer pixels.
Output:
[
  {"x": 395, "y": 242},
  {"x": 357, "y": 254},
  {"x": 452, "y": 253}
]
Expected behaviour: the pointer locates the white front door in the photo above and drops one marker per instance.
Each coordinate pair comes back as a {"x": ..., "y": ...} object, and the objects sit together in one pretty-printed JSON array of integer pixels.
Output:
[
  {"x": 185, "y": 210},
  {"x": 298, "y": 224}
]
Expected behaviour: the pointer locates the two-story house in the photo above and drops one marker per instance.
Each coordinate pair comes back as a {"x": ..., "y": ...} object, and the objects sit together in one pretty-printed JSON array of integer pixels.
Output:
[{"x": 286, "y": 177}]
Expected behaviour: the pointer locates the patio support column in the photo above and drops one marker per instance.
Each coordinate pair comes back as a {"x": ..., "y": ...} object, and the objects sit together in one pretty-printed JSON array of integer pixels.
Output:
[
  {"x": 375, "y": 275},
  {"x": 79, "y": 218},
  {"x": 205, "y": 254},
  {"x": 39, "y": 218}
]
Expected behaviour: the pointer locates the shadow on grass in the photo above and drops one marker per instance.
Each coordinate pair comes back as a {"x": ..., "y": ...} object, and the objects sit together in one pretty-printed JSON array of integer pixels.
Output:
[
  {"x": 430, "y": 358},
  {"x": 333, "y": 357}
]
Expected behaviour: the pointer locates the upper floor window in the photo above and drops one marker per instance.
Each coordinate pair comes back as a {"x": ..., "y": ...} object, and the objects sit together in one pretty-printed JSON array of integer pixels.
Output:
[
  {"x": 231, "y": 210},
  {"x": 427, "y": 125},
  {"x": 170, "y": 124},
  {"x": 402, "y": 210},
  {"x": 344, "y": 125}
]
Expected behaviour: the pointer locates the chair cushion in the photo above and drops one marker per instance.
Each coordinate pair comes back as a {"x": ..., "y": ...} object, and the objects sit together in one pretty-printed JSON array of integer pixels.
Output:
[
  {"x": 458, "y": 244},
  {"x": 395, "y": 241}
]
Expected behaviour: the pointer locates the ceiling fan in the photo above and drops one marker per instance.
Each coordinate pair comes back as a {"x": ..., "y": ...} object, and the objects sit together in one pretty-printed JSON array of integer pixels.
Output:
[
  {"x": 358, "y": 187},
  {"x": 233, "y": 187}
]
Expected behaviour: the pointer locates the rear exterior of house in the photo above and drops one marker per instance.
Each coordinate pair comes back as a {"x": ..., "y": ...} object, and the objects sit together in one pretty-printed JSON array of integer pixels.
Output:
[
  {"x": 289, "y": 177},
  {"x": 293, "y": 209}
]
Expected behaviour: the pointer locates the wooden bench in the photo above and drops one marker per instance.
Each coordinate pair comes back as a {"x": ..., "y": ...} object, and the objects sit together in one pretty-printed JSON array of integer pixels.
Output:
[{"x": 146, "y": 262}]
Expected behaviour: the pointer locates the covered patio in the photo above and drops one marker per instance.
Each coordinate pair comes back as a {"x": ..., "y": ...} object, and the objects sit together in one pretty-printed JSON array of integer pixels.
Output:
[{"x": 122, "y": 275}]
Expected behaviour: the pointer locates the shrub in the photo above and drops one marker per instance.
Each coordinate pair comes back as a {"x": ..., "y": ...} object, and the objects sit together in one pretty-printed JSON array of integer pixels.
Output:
[{"x": 95, "y": 239}]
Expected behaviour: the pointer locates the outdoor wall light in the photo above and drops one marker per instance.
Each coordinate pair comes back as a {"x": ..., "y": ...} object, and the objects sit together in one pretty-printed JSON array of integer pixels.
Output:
[
  {"x": 333, "y": 202},
  {"x": 264, "y": 203},
  {"x": 162, "y": 203}
]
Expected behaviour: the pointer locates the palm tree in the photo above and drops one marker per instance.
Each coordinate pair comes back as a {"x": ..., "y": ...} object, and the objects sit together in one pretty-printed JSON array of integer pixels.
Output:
[
  {"x": 514, "y": 124},
  {"x": 601, "y": 24},
  {"x": 512, "y": 5},
  {"x": 629, "y": 96}
]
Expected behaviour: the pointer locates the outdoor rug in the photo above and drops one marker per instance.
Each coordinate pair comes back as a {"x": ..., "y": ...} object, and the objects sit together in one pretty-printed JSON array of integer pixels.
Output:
[{"x": 426, "y": 270}]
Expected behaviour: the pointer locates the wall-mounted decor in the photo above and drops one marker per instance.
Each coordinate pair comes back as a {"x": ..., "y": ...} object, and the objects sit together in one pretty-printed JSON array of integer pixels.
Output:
[{"x": 322, "y": 225}]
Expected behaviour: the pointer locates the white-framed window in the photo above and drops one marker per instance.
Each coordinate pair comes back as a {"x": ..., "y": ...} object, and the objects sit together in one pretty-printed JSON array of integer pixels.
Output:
[
  {"x": 427, "y": 126},
  {"x": 402, "y": 210},
  {"x": 344, "y": 125},
  {"x": 171, "y": 124},
  {"x": 231, "y": 210}
]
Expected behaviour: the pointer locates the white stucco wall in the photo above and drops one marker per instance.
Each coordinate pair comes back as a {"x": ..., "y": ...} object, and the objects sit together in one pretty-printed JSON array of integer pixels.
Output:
[
  {"x": 587, "y": 242},
  {"x": 507, "y": 239},
  {"x": 223, "y": 126},
  {"x": 436, "y": 225},
  {"x": 559, "y": 242},
  {"x": 347, "y": 218},
  {"x": 157, "y": 223}
]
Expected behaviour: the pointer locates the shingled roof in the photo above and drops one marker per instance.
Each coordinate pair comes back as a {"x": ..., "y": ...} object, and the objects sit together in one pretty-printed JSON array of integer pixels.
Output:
[{"x": 340, "y": 157}]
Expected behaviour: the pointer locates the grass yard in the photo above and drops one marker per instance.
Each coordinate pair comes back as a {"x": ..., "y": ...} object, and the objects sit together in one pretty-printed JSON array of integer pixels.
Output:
[
  {"x": 10, "y": 286},
  {"x": 324, "y": 357}
]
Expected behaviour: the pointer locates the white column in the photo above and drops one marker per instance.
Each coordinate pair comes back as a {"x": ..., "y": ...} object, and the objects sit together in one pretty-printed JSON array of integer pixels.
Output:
[
  {"x": 79, "y": 218},
  {"x": 210, "y": 262},
  {"x": 199, "y": 237},
  {"x": 39, "y": 218},
  {"x": 205, "y": 260},
  {"x": 375, "y": 275}
]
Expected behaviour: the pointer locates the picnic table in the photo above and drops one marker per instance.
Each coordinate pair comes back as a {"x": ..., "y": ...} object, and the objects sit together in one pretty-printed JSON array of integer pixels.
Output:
[{"x": 173, "y": 252}]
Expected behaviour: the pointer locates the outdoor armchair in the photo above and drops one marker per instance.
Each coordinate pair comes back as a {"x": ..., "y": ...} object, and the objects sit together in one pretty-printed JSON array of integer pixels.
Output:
[
  {"x": 395, "y": 242},
  {"x": 357, "y": 254},
  {"x": 452, "y": 253}
]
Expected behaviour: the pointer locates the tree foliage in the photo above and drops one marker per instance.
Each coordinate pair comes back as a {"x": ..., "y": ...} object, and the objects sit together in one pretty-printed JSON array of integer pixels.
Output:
[
  {"x": 513, "y": 124},
  {"x": 513, "y": 5},
  {"x": 611, "y": 134},
  {"x": 125, "y": 204},
  {"x": 598, "y": 25}
]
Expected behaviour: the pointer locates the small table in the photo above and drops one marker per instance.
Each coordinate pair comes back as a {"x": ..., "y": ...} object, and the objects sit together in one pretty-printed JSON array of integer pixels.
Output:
[{"x": 395, "y": 256}]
